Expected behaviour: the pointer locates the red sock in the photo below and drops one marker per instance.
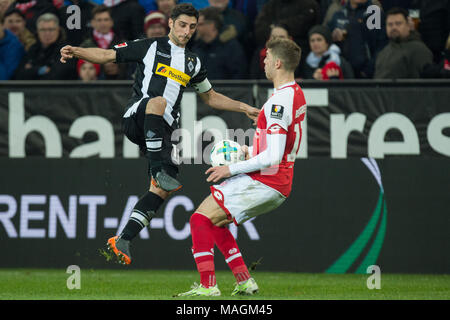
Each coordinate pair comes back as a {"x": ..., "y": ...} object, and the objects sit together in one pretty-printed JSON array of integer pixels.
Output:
[
  {"x": 203, "y": 248},
  {"x": 229, "y": 248}
]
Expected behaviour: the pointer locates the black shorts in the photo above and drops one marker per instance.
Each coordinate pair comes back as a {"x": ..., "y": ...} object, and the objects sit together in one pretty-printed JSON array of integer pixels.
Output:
[{"x": 133, "y": 128}]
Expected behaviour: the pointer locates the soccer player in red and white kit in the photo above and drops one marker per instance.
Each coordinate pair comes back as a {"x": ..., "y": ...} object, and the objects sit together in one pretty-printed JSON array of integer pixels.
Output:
[{"x": 257, "y": 185}]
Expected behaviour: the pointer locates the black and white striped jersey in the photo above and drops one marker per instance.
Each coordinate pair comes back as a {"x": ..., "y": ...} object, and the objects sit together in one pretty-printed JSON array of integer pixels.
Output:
[{"x": 163, "y": 69}]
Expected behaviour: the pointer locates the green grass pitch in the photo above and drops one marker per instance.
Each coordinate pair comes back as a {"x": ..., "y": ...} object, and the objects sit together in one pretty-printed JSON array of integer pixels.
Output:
[{"x": 49, "y": 284}]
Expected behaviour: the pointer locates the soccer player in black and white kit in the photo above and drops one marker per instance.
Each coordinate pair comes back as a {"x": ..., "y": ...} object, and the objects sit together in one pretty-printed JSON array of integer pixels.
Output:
[{"x": 165, "y": 67}]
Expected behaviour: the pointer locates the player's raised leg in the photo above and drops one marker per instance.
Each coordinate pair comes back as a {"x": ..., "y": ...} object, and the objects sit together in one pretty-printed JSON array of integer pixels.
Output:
[
  {"x": 144, "y": 210},
  {"x": 154, "y": 124}
]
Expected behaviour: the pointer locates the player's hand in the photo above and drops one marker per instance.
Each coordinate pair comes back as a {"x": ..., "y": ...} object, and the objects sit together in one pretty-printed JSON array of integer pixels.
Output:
[
  {"x": 218, "y": 173},
  {"x": 251, "y": 112},
  {"x": 244, "y": 149},
  {"x": 66, "y": 53}
]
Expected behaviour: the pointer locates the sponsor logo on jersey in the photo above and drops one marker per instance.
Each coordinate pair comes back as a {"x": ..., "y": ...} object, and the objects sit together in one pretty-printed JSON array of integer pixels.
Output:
[
  {"x": 161, "y": 70},
  {"x": 173, "y": 74},
  {"x": 277, "y": 111},
  {"x": 232, "y": 251},
  {"x": 121, "y": 45}
]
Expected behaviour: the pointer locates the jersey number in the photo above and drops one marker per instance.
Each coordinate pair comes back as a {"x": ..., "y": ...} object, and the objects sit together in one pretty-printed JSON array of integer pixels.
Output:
[{"x": 293, "y": 154}]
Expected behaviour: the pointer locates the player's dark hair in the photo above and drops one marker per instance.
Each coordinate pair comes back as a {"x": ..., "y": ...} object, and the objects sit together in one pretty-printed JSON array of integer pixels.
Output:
[
  {"x": 398, "y": 10},
  {"x": 100, "y": 9},
  {"x": 287, "y": 51},
  {"x": 213, "y": 14},
  {"x": 183, "y": 8}
]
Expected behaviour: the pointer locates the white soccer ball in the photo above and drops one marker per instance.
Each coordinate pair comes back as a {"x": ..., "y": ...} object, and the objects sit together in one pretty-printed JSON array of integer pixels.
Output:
[{"x": 226, "y": 152}]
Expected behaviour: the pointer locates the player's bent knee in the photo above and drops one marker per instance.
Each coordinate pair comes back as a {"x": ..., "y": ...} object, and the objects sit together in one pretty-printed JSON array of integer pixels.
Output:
[
  {"x": 156, "y": 105},
  {"x": 212, "y": 210}
]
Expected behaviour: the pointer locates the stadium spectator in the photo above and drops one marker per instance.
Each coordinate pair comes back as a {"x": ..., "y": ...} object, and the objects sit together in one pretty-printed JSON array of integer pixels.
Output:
[
  {"x": 148, "y": 5},
  {"x": 11, "y": 52},
  {"x": 14, "y": 21},
  {"x": 248, "y": 8},
  {"x": 87, "y": 71},
  {"x": 324, "y": 60},
  {"x": 330, "y": 7},
  {"x": 434, "y": 25},
  {"x": 224, "y": 60},
  {"x": 32, "y": 9},
  {"x": 359, "y": 44},
  {"x": 103, "y": 36},
  {"x": 155, "y": 24},
  {"x": 166, "y": 6},
  {"x": 298, "y": 16},
  {"x": 406, "y": 4},
  {"x": 259, "y": 4},
  {"x": 406, "y": 55},
  {"x": 440, "y": 69},
  {"x": 257, "y": 61},
  {"x": 234, "y": 22},
  {"x": 41, "y": 62},
  {"x": 4, "y": 6},
  {"x": 128, "y": 16},
  {"x": 198, "y": 4},
  {"x": 75, "y": 35}
]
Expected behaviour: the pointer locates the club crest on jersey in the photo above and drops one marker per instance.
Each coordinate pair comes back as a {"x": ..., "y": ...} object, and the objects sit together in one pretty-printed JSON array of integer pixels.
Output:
[
  {"x": 277, "y": 111},
  {"x": 190, "y": 66}
]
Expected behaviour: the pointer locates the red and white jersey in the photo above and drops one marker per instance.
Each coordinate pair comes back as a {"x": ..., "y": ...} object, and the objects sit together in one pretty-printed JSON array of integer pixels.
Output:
[{"x": 283, "y": 113}]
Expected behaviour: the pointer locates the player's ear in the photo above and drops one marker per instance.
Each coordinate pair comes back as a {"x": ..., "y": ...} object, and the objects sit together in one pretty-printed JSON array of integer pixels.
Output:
[
  {"x": 278, "y": 63},
  {"x": 171, "y": 23}
]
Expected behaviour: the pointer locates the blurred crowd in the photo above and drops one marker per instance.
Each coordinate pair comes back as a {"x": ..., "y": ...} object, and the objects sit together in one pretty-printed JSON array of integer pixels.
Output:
[{"x": 340, "y": 39}]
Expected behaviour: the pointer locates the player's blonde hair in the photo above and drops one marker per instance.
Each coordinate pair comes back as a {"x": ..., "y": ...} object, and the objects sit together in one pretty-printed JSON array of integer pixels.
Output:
[{"x": 287, "y": 51}]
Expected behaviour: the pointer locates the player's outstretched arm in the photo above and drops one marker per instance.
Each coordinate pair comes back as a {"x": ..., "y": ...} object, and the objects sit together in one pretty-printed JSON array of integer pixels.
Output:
[
  {"x": 94, "y": 55},
  {"x": 219, "y": 101},
  {"x": 269, "y": 157}
]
